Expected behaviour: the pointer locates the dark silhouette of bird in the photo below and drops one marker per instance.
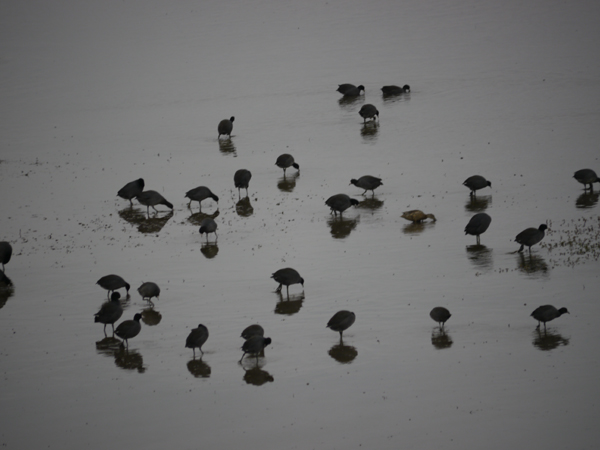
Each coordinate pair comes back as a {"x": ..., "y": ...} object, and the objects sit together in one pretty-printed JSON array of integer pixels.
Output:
[
  {"x": 286, "y": 277},
  {"x": 585, "y": 177},
  {"x": 112, "y": 283},
  {"x": 225, "y": 127},
  {"x": 252, "y": 330},
  {"x": 152, "y": 198},
  {"x": 547, "y": 313},
  {"x": 241, "y": 179},
  {"x": 286, "y": 160},
  {"x": 341, "y": 320},
  {"x": 129, "y": 329},
  {"x": 340, "y": 203},
  {"x": 200, "y": 193},
  {"x": 197, "y": 338},
  {"x": 440, "y": 315},
  {"x": 478, "y": 225},
  {"x": 208, "y": 225},
  {"x": 395, "y": 90},
  {"x": 531, "y": 236},
  {"x": 110, "y": 312},
  {"x": 367, "y": 182},
  {"x": 131, "y": 190},
  {"x": 476, "y": 182},
  {"x": 368, "y": 111},
  {"x": 254, "y": 345},
  {"x": 148, "y": 290},
  {"x": 5, "y": 253}
]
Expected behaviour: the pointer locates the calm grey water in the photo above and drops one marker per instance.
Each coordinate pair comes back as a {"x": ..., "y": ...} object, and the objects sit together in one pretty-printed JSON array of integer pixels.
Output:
[{"x": 96, "y": 95}]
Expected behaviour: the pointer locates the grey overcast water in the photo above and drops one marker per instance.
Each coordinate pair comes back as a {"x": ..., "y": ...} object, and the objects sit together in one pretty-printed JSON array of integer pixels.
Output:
[{"x": 96, "y": 94}]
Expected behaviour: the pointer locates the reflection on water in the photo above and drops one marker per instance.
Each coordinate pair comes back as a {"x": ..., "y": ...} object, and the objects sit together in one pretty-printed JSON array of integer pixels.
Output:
[
  {"x": 6, "y": 291},
  {"x": 587, "y": 200},
  {"x": 341, "y": 227},
  {"x": 226, "y": 147},
  {"x": 369, "y": 130},
  {"x": 480, "y": 256},
  {"x": 288, "y": 183},
  {"x": 145, "y": 224},
  {"x": 256, "y": 375},
  {"x": 289, "y": 306},
  {"x": 478, "y": 204},
  {"x": 124, "y": 358},
  {"x": 417, "y": 228},
  {"x": 440, "y": 339},
  {"x": 372, "y": 203},
  {"x": 151, "y": 317},
  {"x": 547, "y": 340},
  {"x": 199, "y": 368},
  {"x": 129, "y": 360},
  {"x": 197, "y": 218},
  {"x": 244, "y": 208},
  {"x": 344, "y": 354},
  {"x": 532, "y": 265},
  {"x": 399, "y": 97},
  {"x": 348, "y": 103},
  {"x": 209, "y": 249}
]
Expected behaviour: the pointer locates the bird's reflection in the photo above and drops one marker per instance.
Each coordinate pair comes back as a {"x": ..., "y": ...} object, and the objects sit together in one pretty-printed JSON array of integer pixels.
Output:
[
  {"x": 371, "y": 203},
  {"x": 417, "y": 228},
  {"x": 197, "y": 218},
  {"x": 344, "y": 354},
  {"x": 369, "y": 130},
  {"x": 587, "y": 200},
  {"x": 480, "y": 256},
  {"x": 244, "y": 208},
  {"x": 440, "y": 339},
  {"x": 348, "y": 102},
  {"x": 341, "y": 227},
  {"x": 124, "y": 358},
  {"x": 398, "y": 97},
  {"x": 129, "y": 360},
  {"x": 226, "y": 147},
  {"x": 145, "y": 224},
  {"x": 546, "y": 340},
  {"x": 290, "y": 305},
  {"x": 151, "y": 317},
  {"x": 532, "y": 265},
  {"x": 7, "y": 289},
  {"x": 199, "y": 368},
  {"x": 256, "y": 375},
  {"x": 209, "y": 249},
  {"x": 478, "y": 204},
  {"x": 287, "y": 183}
]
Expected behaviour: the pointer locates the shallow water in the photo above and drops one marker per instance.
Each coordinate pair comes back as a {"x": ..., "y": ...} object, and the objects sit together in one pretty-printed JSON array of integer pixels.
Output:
[{"x": 95, "y": 96}]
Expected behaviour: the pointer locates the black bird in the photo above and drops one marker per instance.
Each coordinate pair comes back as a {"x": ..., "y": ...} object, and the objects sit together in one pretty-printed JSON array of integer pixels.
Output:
[
  {"x": 131, "y": 190},
  {"x": 129, "y": 328},
  {"x": 255, "y": 345},
  {"x": 152, "y": 198},
  {"x": 110, "y": 312},
  {"x": 585, "y": 177},
  {"x": 476, "y": 182},
  {"x": 208, "y": 225},
  {"x": 367, "y": 182},
  {"x": 340, "y": 203},
  {"x": 368, "y": 111},
  {"x": 112, "y": 283},
  {"x": 287, "y": 277},
  {"x": 197, "y": 338},
  {"x": 148, "y": 290},
  {"x": 341, "y": 320},
  {"x": 395, "y": 90},
  {"x": 200, "y": 193},
  {"x": 440, "y": 315},
  {"x": 286, "y": 160},
  {"x": 531, "y": 236},
  {"x": 547, "y": 313},
  {"x": 478, "y": 224},
  {"x": 5, "y": 253},
  {"x": 226, "y": 126},
  {"x": 241, "y": 179},
  {"x": 343, "y": 88},
  {"x": 253, "y": 330},
  {"x": 353, "y": 91}
]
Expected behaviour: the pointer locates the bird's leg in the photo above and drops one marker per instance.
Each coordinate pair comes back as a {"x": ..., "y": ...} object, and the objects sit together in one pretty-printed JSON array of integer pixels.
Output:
[{"x": 279, "y": 288}]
